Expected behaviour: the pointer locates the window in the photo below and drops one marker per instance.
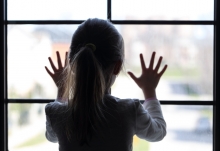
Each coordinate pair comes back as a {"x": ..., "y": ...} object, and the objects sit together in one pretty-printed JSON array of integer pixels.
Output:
[{"x": 185, "y": 32}]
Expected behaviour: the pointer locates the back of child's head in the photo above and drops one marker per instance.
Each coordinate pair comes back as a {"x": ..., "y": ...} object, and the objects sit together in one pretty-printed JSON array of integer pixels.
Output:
[
  {"x": 95, "y": 48},
  {"x": 104, "y": 36}
]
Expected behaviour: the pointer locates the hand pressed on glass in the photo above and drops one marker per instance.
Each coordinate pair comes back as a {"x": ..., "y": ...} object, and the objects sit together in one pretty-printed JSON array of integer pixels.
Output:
[
  {"x": 58, "y": 72},
  {"x": 150, "y": 77}
]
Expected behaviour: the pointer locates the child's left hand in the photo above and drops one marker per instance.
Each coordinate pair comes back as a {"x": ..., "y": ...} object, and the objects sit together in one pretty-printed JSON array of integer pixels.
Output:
[
  {"x": 150, "y": 77},
  {"x": 58, "y": 72}
]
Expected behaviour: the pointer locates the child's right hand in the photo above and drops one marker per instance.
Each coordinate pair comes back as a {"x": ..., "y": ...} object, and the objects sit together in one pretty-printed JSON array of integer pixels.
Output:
[
  {"x": 150, "y": 77},
  {"x": 57, "y": 76}
]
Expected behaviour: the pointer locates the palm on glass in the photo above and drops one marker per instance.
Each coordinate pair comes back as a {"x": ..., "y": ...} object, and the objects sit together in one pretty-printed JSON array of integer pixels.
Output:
[
  {"x": 58, "y": 72},
  {"x": 150, "y": 77}
]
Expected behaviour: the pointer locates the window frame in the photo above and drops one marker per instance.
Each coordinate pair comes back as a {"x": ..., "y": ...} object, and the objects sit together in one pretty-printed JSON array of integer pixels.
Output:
[{"x": 3, "y": 66}]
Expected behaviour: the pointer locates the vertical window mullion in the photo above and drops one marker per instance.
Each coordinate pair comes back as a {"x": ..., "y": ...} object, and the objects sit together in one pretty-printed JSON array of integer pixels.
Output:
[
  {"x": 5, "y": 71},
  {"x": 216, "y": 108},
  {"x": 3, "y": 96},
  {"x": 109, "y": 10}
]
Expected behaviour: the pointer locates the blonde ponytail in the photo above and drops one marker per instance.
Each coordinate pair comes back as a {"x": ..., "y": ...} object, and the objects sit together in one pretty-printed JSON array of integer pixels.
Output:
[{"x": 85, "y": 89}]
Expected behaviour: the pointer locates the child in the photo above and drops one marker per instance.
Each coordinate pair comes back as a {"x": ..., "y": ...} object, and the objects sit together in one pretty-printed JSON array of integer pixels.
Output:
[{"x": 85, "y": 116}]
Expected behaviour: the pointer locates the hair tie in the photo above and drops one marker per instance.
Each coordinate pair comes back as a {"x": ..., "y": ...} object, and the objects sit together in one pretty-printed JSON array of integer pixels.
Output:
[{"x": 91, "y": 45}]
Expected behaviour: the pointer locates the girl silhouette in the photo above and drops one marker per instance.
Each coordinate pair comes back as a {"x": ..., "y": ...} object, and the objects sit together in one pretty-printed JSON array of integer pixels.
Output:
[{"x": 85, "y": 116}]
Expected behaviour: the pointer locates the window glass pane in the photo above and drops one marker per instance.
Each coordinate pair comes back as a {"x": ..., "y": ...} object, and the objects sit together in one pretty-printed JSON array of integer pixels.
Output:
[
  {"x": 29, "y": 47},
  {"x": 189, "y": 128},
  {"x": 163, "y": 9},
  {"x": 188, "y": 51},
  {"x": 56, "y": 9},
  {"x": 26, "y": 128}
]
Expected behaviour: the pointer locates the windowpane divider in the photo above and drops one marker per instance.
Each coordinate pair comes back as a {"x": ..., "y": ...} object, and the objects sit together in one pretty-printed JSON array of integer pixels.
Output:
[
  {"x": 43, "y": 22},
  {"x": 216, "y": 107},
  {"x": 145, "y": 22},
  {"x": 163, "y": 102},
  {"x": 164, "y": 22},
  {"x": 109, "y": 13}
]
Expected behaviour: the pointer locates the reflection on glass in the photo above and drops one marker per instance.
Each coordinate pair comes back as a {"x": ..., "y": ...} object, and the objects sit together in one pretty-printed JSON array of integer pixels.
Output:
[
  {"x": 189, "y": 128},
  {"x": 187, "y": 49},
  {"x": 163, "y": 10},
  {"x": 56, "y": 9}
]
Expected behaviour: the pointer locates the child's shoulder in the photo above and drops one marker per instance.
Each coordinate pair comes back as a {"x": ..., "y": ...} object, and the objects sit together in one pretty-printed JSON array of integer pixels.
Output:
[
  {"x": 55, "y": 107},
  {"x": 125, "y": 101}
]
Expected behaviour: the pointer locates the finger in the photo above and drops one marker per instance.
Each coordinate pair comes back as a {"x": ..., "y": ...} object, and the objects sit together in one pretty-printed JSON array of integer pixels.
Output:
[
  {"x": 132, "y": 76},
  {"x": 142, "y": 62},
  {"x": 66, "y": 59},
  {"x": 158, "y": 64},
  {"x": 52, "y": 64},
  {"x": 164, "y": 69},
  {"x": 152, "y": 60},
  {"x": 48, "y": 71},
  {"x": 59, "y": 60}
]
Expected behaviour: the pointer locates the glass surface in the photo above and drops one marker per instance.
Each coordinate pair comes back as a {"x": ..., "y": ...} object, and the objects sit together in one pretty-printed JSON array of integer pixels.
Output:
[
  {"x": 163, "y": 9},
  {"x": 27, "y": 127},
  {"x": 189, "y": 128},
  {"x": 29, "y": 47},
  {"x": 56, "y": 9},
  {"x": 187, "y": 49}
]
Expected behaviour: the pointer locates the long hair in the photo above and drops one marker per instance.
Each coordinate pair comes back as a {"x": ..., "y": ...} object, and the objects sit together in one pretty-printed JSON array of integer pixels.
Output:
[{"x": 89, "y": 74}]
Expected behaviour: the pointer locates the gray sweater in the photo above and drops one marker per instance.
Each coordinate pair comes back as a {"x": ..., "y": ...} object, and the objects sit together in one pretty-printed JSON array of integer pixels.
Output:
[{"x": 125, "y": 118}]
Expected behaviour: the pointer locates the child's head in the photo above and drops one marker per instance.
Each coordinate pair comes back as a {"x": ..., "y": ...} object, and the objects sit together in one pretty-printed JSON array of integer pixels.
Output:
[
  {"x": 109, "y": 46},
  {"x": 95, "y": 58}
]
